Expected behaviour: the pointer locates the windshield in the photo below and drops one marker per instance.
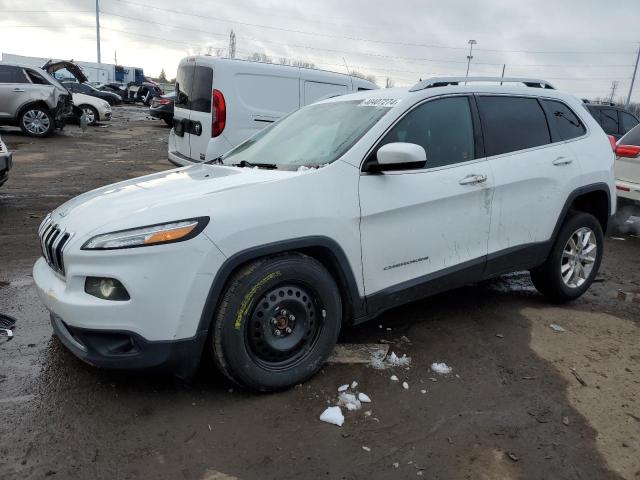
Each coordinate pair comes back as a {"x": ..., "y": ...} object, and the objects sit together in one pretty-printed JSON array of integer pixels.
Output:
[{"x": 312, "y": 136}]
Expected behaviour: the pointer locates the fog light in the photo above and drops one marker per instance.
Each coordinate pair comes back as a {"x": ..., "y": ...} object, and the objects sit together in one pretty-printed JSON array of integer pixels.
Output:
[{"x": 106, "y": 288}]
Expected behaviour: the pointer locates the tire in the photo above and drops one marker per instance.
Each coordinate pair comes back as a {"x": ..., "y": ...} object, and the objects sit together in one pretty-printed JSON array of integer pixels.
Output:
[
  {"x": 559, "y": 278},
  {"x": 277, "y": 322},
  {"x": 36, "y": 121},
  {"x": 168, "y": 121},
  {"x": 91, "y": 114}
]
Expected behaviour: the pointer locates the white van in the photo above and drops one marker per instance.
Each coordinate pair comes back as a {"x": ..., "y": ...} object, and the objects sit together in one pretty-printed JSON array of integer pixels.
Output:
[{"x": 221, "y": 102}]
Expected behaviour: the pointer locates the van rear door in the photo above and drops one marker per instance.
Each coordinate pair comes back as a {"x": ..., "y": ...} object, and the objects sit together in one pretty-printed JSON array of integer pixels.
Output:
[
  {"x": 201, "y": 115},
  {"x": 182, "y": 106}
]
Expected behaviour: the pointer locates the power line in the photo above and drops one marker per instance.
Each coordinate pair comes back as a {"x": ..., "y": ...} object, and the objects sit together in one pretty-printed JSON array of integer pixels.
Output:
[{"x": 361, "y": 39}]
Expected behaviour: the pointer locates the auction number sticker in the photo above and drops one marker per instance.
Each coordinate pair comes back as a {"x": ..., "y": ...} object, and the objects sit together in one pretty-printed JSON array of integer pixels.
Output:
[{"x": 379, "y": 102}]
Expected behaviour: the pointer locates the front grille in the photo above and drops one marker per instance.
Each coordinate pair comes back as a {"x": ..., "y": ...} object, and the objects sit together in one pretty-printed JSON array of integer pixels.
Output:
[{"x": 52, "y": 242}]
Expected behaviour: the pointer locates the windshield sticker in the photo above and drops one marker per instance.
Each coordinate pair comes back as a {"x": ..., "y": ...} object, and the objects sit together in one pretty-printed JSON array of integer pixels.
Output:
[{"x": 379, "y": 102}]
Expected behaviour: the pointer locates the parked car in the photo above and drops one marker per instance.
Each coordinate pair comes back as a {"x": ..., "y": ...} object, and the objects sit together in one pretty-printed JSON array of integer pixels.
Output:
[
  {"x": 627, "y": 167},
  {"x": 615, "y": 121},
  {"x": 94, "y": 109},
  {"x": 334, "y": 214},
  {"x": 117, "y": 88},
  {"x": 162, "y": 107},
  {"x": 6, "y": 162},
  {"x": 86, "y": 89},
  {"x": 32, "y": 99},
  {"x": 214, "y": 113}
]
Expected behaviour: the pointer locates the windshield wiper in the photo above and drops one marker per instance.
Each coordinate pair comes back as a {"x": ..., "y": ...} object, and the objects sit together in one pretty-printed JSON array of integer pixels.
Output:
[
  {"x": 244, "y": 163},
  {"x": 217, "y": 160}
]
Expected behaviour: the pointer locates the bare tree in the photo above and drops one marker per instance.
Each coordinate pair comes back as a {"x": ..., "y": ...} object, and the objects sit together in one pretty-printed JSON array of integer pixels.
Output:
[
  {"x": 369, "y": 77},
  {"x": 260, "y": 57}
]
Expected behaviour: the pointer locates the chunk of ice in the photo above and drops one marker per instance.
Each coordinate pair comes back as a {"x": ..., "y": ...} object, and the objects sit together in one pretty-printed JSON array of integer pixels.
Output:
[
  {"x": 333, "y": 415},
  {"x": 394, "y": 378},
  {"x": 343, "y": 388},
  {"x": 405, "y": 385},
  {"x": 556, "y": 328},
  {"x": 364, "y": 398},
  {"x": 349, "y": 401},
  {"x": 441, "y": 368},
  {"x": 354, "y": 384},
  {"x": 366, "y": 449}
]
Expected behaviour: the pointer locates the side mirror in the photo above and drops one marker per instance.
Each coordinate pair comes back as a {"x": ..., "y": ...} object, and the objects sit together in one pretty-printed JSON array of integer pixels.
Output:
[
  {"x": 627, "y": 151},
  {"x": 399, "y": 156}
]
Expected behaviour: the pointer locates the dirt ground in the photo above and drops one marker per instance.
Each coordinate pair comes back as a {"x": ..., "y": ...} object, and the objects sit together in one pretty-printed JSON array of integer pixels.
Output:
[{"x": 524, "y": 401}]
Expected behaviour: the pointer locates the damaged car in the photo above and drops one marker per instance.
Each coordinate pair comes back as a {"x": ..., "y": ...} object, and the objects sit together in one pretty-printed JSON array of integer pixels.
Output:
[
  {"x": 5, "y": 162},
  {"x": 33, "y": 99}
]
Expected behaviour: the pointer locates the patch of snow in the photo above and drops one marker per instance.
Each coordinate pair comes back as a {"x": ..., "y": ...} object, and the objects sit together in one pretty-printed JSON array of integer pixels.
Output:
[
  {"x": 366, "y": 449},
  {"x": 354, "y": 384},
  {"x": 441, "y": 368},
  {"x": 367, "y": 413},
  {"x": 333, "y": 415},
  {"x": 405, "y": 385},
  {"x": 394, "y": 378},
  {"x": 397, "y": 361},
  {"x": 343, "y": 388},
  {"x": 349, "y": 401},
  {"x": 423, "y": 391},
  {"x": 396, "y": 464},
  {"x": 364, "y": 398},
  {"x": 556, "y": 328},
  {"x": 303, "y": 168}
]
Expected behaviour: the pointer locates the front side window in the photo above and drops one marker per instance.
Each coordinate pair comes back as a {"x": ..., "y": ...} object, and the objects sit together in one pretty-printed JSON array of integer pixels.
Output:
[
  {"x": 567, "y": 123},
  {"x": 628, "y": 122},
  {"x": 312, "y": 136},
  {"x": 11, "y": 74},
  {"x": 510, "y": 124},
  {"x": 609, "y": 120},
  {"x": 444, "y": 128}
]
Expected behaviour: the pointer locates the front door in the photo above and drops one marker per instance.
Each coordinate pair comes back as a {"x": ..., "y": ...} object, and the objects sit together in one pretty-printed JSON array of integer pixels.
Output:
[{"x": 428, "y": 224}]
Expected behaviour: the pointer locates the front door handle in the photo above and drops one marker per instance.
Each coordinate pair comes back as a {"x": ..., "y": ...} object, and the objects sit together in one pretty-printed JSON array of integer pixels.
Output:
[
  {"x": 562, "y": 161},
  {"x": 473, "y": 179},
  {"x": 18, "y": 89}
]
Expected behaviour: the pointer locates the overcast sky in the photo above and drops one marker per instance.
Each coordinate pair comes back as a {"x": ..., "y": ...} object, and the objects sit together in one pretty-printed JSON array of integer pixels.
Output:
[{"x": 579, "y": 45}]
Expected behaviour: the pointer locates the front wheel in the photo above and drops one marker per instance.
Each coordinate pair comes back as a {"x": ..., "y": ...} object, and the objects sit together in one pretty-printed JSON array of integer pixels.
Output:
[
  {"x": 36, "y": 121},
  {"x": 277, "y": 322},
  {"x": 91, "y": 113},
  {"x": 574, "y": 260}
]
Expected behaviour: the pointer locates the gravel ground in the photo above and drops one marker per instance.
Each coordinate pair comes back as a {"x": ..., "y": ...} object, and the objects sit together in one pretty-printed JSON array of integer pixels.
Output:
[{"x": 523, "y": 400}]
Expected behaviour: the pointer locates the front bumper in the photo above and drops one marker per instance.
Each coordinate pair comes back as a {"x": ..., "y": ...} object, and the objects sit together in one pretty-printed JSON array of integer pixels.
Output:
[{"x": 117, "y": 349}]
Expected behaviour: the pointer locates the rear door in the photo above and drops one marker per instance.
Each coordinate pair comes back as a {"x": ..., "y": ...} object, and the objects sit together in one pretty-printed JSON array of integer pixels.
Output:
[
  {"x": 182, "y": 106},
  {"x": 14, "y": 90},
  {"x": 534, "y": 172},
  {"x": 200, "y": 132}
]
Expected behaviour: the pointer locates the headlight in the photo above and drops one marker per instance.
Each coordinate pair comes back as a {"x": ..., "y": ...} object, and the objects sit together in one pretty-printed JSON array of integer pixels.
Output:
[
  {"x": 106, "y": 105},
  {"x": 162, "y": 233}
]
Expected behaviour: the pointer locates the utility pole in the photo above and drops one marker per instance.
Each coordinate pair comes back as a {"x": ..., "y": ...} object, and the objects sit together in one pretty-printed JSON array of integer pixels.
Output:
[
  {"x": 115, "y": 57},
  {"x": 470, "y": 56},
  {"x": 504, "y": 65},
  {"x": 633, "y": 78},
  {"x": 98, "y": 29},
  {"x": 232, "y": 44},
  {"x": 614, "y": 87}
]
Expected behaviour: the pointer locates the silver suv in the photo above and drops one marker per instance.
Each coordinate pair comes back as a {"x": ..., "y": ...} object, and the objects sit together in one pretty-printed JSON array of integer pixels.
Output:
[{"x": 32, "y": 99}]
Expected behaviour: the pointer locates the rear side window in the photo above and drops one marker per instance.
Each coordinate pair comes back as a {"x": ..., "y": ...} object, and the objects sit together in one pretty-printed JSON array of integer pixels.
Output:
[
  {"x": 609, "y": 120},
  {"x": 184, "y": 85},
  {"x": 512, "y": 123},
  {"x": 566, "y": 123},
  {"x": 628, "y": 122},
  {"x": 11, "y": 74},
  {"x": 444, "y": 128},
  {"x": 201, "y": 90}
]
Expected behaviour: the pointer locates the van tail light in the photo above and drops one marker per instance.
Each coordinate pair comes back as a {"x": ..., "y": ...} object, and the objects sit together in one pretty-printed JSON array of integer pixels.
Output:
[
  {"x": 612, "y": 141},
  {"x": 628, "y": 151},
  {"x": 219, "y": 108}
]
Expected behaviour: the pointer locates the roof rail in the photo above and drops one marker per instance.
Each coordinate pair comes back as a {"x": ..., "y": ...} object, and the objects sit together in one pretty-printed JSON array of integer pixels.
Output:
[{"x": 445, "y": 81}]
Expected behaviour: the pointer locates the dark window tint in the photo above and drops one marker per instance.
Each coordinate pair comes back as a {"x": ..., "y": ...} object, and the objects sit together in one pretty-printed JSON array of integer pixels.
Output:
[
  {"x": 11, "y": 74},
  {"x": 184, "y": 85},
  {"x": 201, "y": 93},
  {"x": 631, "y": 138},
  {"x": 566, "y": 123},
  {"x": 609, "y": 120},
  {"x": 628, "y": 122},
  {"x": 36, "y": 78},
  {"x": 512, "y": 123},
  {"x": 443, "y": 127}
]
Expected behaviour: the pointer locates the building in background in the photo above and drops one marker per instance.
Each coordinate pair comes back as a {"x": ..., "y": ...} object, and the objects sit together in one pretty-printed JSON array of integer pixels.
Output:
[{"x": 95, "y": 72}]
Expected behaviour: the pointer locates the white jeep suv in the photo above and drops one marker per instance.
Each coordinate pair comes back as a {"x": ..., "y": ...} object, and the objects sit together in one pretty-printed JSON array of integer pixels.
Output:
[{"x": 341, "y": 210}]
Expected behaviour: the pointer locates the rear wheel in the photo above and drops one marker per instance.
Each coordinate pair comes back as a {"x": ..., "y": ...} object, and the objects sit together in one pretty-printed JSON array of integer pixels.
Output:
[
  {"x": 36, "y": 121},
  {"x": 277, "y": 323},
  {"x": 168, "y": 121},
  {"x": 574, "y": 259}
]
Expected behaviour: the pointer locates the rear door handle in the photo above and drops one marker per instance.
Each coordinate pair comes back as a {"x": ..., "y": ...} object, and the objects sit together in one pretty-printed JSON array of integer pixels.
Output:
[
  {"x": 18, "y": 89},
  {"x": 473, "y": 179},
  {"x": 562, "y": 161}
]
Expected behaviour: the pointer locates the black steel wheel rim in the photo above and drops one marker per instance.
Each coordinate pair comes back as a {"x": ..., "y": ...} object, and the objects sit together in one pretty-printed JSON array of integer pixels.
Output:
[{"x": 284, "y": 325}]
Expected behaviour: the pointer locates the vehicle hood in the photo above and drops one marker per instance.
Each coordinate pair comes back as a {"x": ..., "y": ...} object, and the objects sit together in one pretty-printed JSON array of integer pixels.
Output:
[
  {"x": 171, "y": 195},
  {"x": 52, "y": 67}
]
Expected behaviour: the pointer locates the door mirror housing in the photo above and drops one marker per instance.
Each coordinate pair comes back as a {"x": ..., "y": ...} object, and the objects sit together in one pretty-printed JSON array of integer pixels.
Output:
[{"x": 398, "y": 156}]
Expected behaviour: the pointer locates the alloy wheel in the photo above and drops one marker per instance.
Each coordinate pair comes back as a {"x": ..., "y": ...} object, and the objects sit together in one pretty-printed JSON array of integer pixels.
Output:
[
  {"x": 578, "y": 257},
  {"x": 36, "y": 122}
]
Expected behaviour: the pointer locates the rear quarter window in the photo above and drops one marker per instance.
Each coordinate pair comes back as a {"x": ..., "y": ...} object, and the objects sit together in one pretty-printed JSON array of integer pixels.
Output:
[
  {"x": 510, "y": 124},
  {"x": 628, "y": 121},
  {"x": 566, "y": 123}
]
